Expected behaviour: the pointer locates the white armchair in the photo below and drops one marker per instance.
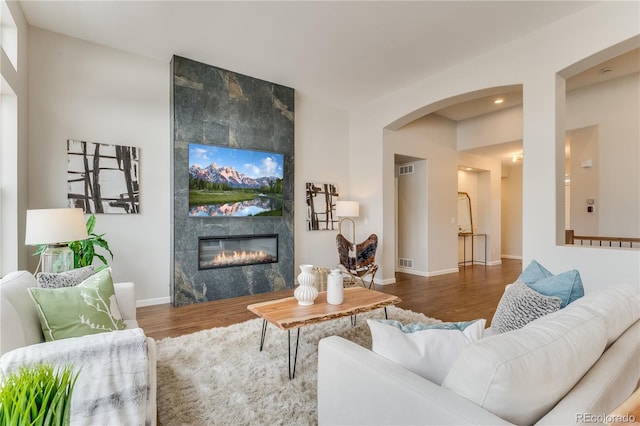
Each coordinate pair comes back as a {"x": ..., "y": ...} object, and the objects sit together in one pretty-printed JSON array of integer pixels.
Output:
[
  {"x": 20, "y": 324},
  {"x": 20, "y": 327}
]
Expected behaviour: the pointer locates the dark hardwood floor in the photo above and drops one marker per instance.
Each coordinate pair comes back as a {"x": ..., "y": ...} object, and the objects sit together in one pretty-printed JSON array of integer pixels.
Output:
[{"x": 472, "y": 293}]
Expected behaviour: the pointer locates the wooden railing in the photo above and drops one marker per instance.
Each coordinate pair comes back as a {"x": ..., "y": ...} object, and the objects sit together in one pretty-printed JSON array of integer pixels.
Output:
[{"x": 571, "y": 238}]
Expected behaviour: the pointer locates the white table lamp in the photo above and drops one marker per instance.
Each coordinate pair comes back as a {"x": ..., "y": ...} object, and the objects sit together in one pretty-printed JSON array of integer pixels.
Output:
[
  {"x": 55, "y": 228},
  {"x": 347, "y": 210}
]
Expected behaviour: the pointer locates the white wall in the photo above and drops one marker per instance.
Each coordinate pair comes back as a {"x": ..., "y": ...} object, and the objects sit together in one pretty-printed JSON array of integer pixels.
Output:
[
  {"x": 584, "y": 181},
  {"x": 512, "y": 212},
  {"x": 435, "y": 138},
  {"x": 14, "y": 147},
  {"x": 80, "y": 90},
  {"x": 614, "y": 107},
  {"x": 608, "y": 110},
  {"x": 484, "y": 188},
  {"x": 432, "y": 138},
  {"x": 85, "y": 91},
  {"x": 532, "y": 61},
  {"x": 321, "y": 156},
  {"x": 413, "y": 218},
  {"x": 490, "y": 129}
]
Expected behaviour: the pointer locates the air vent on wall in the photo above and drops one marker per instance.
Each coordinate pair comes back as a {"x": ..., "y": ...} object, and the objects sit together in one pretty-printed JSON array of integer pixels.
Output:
[
  {"x": 406, "y": 170},
  {"x": 405, "y": 263}
]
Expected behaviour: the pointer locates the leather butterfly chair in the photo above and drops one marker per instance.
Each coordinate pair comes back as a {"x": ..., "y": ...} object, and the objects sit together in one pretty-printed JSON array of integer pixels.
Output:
[{"x": 363, "y": 264}]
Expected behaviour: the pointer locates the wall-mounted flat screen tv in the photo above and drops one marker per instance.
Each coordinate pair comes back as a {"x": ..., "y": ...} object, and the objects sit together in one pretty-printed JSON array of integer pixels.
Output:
[{"x": 226, "y": 182}]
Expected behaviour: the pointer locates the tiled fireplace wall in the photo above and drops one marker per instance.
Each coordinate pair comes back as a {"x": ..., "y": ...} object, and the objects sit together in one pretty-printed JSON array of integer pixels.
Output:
[{"x": 213, "y": 106}]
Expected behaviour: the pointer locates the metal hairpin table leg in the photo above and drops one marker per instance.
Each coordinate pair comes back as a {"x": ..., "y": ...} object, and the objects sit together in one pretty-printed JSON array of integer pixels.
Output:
[
  {"x": 263, "y": 334},
  {"x": 292, "y": 373},
  {"x": 353, "y": 317}
]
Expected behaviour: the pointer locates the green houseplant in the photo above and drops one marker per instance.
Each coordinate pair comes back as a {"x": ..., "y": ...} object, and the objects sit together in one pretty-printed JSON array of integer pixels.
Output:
[
  {"x": 38, "y": 395},
  {"x": 84, "y": 251}
]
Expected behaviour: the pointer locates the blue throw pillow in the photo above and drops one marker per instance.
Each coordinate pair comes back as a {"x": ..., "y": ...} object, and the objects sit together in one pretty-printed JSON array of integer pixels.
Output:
[
  {"x": 567, "y": 286},
  {"x": 534, "y": 273}
]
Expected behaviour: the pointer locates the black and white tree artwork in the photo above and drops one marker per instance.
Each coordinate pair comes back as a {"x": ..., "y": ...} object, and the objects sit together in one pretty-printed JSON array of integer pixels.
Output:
[
  {"x": 103, "y": 178},
  {"x": 321, "y": 206}
]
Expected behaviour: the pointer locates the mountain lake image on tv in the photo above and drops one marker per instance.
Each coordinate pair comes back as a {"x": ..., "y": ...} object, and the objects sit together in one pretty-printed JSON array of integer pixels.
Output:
[{"x": 226, "y": 182}]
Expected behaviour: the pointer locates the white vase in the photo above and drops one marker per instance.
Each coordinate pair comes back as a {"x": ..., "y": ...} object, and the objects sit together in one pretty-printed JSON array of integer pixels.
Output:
[
  {"x": 335, "y": 289},
  {"x": 306, "y": 293}
]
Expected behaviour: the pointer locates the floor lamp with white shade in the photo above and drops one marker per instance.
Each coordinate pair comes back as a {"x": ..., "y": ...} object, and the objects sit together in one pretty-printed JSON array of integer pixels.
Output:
[{"x": 347, "y": 210}]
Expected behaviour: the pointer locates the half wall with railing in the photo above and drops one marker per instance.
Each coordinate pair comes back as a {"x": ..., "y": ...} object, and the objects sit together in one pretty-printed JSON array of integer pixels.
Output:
[{"x": 599, "y": 241}]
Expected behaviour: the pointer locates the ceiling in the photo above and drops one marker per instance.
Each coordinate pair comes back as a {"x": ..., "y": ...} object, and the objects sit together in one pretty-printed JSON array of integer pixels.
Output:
[{"x": 342, "y": 53}]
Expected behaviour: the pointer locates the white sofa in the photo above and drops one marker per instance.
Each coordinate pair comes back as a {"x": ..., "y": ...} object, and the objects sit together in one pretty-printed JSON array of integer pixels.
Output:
[
  {"x": 570, "y": 367},
  {"x": 20, "y": 328}
]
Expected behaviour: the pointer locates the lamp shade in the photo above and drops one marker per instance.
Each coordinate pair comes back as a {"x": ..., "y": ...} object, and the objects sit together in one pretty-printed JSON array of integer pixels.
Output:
[
  {"x": 55, "y": 226},
  {"x": 347, "y": 209}
]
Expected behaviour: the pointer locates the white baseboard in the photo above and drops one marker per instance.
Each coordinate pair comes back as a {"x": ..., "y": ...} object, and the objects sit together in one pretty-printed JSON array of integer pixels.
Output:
[
  {"x": 510, "y": 256},
  {"x": 481, "y": 263},
  {"x": 427, "y": 274},
  {"x": 387, "y": 281},
  {"x": 442, "y": 272},
  {"x": 151, "y": 302},
  {"x": 424, "y": 273},
  {"x": 412, "y": 272}
]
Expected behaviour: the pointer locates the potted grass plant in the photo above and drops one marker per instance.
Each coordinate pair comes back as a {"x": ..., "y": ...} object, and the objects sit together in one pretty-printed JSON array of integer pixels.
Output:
[{"x": 37, "y": 395}]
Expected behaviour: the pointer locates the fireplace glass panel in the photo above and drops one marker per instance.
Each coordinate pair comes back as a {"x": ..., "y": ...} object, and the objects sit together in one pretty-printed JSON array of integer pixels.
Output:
[{"x": 228, "y": 251}]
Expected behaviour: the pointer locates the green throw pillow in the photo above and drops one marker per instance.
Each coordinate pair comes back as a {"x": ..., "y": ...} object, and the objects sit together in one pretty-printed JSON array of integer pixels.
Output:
[{"x": 88, "y": 308}]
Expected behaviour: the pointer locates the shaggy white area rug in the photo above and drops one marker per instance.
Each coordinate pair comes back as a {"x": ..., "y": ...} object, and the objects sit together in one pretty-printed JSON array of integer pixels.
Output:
[{"x": 220, "y": 377}]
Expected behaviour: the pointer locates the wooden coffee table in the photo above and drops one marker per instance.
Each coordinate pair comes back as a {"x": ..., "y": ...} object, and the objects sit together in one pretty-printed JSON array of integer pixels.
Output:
[{"x": 287, "y": 314}]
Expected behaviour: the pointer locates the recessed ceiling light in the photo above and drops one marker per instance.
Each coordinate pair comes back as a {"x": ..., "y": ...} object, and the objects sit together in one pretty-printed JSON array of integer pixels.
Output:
[{"x": 498, "y": 101}]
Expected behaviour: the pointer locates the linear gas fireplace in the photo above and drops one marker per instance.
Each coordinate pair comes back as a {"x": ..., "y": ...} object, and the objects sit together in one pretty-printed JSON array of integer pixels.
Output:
[{"x": 237, "y": 250}]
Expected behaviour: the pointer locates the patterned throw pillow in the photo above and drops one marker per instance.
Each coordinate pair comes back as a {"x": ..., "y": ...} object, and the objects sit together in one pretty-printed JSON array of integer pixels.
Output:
[
  {"x": 88, "y": 308},
  {"x": 64, "y": 279},
  {"x": 520, "y": 305}
]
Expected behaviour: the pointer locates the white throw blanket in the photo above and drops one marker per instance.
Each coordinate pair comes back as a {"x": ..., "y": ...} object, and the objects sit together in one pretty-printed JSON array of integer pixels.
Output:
[{"x": 112, "y": 386}]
